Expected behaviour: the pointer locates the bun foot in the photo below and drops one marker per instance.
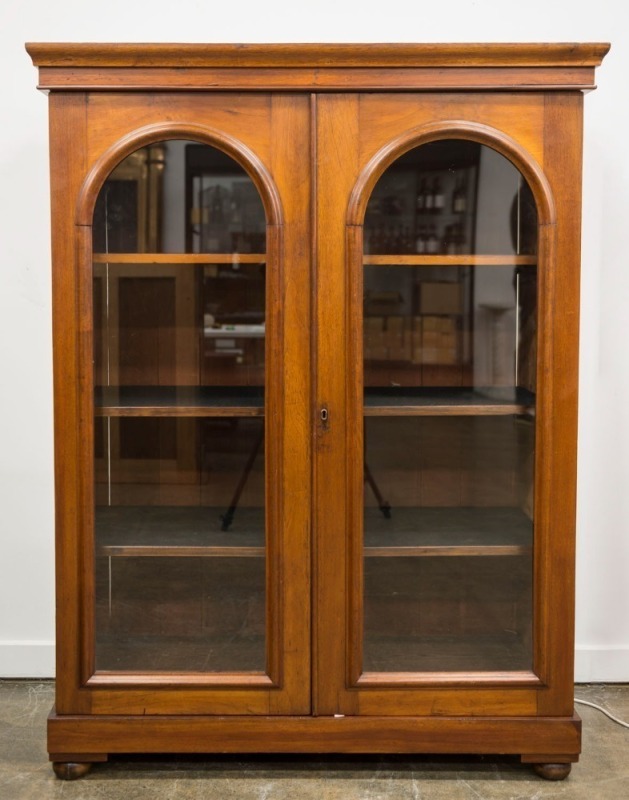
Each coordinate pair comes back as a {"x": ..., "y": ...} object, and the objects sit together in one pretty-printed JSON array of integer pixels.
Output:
[
  {"x": 553, "y": 772},
  {"x": 71, "y": 770}
]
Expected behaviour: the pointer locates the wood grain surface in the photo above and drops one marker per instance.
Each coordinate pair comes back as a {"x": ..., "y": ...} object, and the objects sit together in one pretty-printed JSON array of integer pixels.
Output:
[{"x": 315, "y": 127}]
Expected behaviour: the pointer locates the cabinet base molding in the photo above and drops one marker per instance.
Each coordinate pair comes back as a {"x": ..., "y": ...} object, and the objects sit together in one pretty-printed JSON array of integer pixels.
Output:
[{"x": 559, "y": 737}]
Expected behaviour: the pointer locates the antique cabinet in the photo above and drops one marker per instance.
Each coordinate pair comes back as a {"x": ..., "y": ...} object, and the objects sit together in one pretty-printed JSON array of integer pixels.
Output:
[{"x": 315, "y": 341}]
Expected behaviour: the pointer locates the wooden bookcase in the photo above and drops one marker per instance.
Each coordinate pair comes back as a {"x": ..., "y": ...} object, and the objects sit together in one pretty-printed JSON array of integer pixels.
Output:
[{"x": 315, "y": 347}]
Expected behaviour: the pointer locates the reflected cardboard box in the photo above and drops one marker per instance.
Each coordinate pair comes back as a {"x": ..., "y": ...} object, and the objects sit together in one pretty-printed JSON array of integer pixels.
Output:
[{"x": 440, "y": 298}]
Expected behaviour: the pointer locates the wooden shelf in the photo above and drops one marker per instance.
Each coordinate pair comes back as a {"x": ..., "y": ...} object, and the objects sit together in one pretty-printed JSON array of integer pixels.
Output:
[
  {"x": 179, "y": 258},
  {"x": 458, "y": 531},
  {"x": 178, "y": 531},
  {"x": 179, "y": 401},
  {"x": 450, "y": 401},
  {"x": 248, "y": 401},
  {"x": 412, "y": 260},
  {"x": 185, "y": 532}
]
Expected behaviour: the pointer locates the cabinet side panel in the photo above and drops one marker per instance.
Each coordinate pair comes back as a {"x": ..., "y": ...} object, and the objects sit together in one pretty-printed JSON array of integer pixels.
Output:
[
  {"x": 557, "y": 483},
  {"x": 336, "y": 172},
  {"x": 67, "y": 167}
]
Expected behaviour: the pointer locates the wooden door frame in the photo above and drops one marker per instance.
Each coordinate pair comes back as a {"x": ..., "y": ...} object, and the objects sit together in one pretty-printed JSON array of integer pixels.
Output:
[
  {"x": 280, "y": 688},
  {"x": 549, "y": 685}
]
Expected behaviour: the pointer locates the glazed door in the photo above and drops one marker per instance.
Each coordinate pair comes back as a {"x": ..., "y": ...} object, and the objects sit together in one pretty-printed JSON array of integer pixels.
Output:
[
  {"x": 438, "y": 278},
  {"x": 193, "y": 411}
]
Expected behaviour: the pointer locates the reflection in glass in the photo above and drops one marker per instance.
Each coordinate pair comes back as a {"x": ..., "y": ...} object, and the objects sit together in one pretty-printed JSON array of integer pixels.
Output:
[
  {"x": 179, "y": 353},
  {"x": 451, "y": 197},
  {"x": 179, "y": 197},
  {"x": 448, "y": 573},
  {"x": 128, "y": 212},
  {"x": 450, "y": 349},
  {"x": 180, "y": 565},
  {"x": 226, "y": 211}
]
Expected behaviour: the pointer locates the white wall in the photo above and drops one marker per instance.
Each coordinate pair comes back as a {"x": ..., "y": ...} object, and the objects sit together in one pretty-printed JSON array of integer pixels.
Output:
[{"x": 26, "y": 489}]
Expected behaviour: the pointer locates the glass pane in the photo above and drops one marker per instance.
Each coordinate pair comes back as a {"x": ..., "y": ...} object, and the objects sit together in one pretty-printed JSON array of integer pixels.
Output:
[
  {"x": 179, "y": 354},
  {"x": 450, "y": 319},
  {"x": 179, "y": 197}
]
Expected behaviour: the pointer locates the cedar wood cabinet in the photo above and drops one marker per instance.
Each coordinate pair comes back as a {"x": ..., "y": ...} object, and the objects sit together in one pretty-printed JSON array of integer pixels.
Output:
[{"x": 315, "y": 347}]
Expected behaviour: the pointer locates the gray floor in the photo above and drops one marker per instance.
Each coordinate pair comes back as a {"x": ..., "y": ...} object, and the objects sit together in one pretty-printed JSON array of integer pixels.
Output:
[{"x": 602, "y": 773}]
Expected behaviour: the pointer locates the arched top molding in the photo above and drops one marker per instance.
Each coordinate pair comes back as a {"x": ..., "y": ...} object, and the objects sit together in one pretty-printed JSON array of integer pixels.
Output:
[
  {"x": 452, "y": 129},
  {"x": 151, "y": 134}
]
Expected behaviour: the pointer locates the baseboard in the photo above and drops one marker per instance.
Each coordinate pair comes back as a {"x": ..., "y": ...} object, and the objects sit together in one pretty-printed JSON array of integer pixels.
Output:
[
  {"x": 27, "y": 659},
  {"x": 601, "y": 665},
  {"x": 37, "y": 660}
]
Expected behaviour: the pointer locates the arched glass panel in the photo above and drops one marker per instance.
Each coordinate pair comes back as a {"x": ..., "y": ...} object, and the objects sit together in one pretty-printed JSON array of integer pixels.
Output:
[
  {"x": 179, "y": 303},
  {"x": 450, "y": 320}
]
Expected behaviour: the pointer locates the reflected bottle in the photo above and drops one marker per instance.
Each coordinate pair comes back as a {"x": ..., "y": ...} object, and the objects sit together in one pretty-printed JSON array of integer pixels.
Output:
[
  {"x": 432, "y": 242},
  {"x": 216, "y": 207},
  {"x": 420, "y": 241},
  {"x": 429, "y": 200},
  {"x": 406, "y": 245},
  {"x": 438, "y": 197},
  {"x": 420, "y": 203},
  {"x": 459, "y": 197},
  {"x": 375, "y": 240}
]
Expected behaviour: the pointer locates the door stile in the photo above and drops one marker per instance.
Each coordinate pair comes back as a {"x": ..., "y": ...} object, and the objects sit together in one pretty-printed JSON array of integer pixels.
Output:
[
  {"x": 563, "y": 141},
  {"x": 337, "y": 161},
  {"x": 314, "y": 409},
  {"x": 292, "y": 171}
]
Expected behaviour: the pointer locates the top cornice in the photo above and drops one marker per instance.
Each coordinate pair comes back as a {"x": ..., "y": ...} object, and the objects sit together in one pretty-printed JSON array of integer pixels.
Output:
[
  {"x": 74, "y": 54},
  {"x": 316, "y": 67}
]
